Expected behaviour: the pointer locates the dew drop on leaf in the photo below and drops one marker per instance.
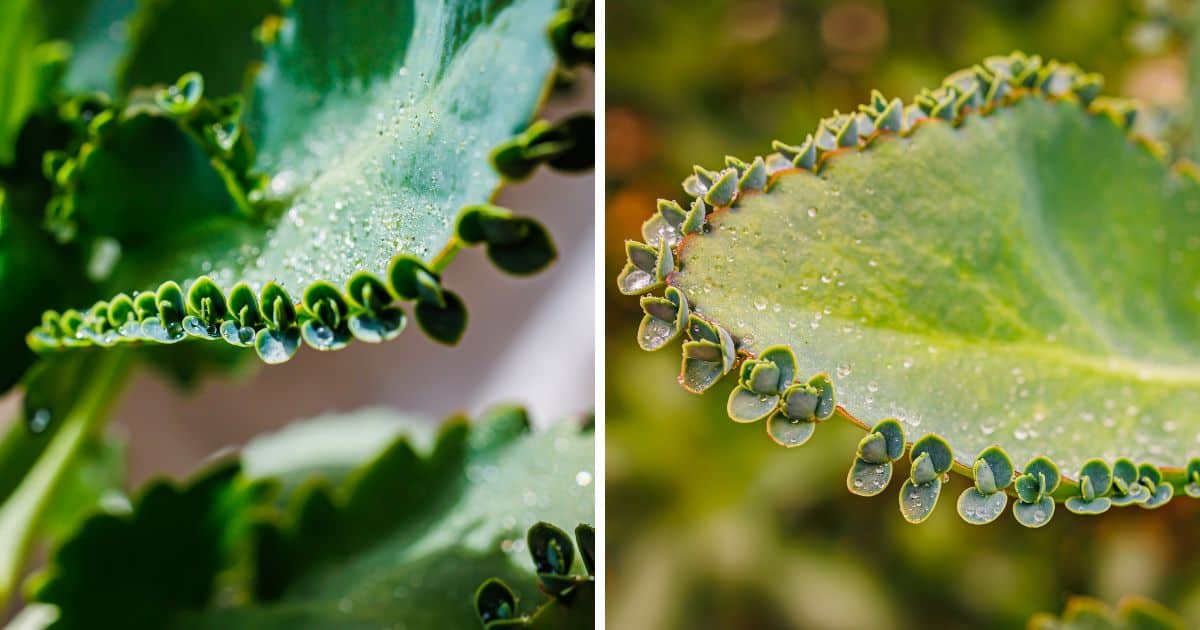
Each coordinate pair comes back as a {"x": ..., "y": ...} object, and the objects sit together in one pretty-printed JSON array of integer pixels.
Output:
[{"x": 39, "y": 421}]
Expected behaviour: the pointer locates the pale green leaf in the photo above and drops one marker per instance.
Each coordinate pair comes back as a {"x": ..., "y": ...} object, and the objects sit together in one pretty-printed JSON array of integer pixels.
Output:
[{"x": 1027, "y": 278}]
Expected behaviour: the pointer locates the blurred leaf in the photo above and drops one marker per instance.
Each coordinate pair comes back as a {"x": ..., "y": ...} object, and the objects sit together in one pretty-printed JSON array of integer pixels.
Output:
[
  {"x": 137, "y": 570},
  {"x": 216, "y": 39},
  {"x": 1132, "y": 613},
  {"x": 26, "y": 67},
  {"x": 403, "y": 535}
]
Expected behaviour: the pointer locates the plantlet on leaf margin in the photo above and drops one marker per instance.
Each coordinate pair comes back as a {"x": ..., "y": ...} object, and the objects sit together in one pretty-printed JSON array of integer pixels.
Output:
[
  {"x": 767, "y": 389},
  {"x": 872, "y": 469},
  {"x": 931, "y": 459},
  {"x": 1035, "y": 504},
  {"x": 985, "y": 502},
  {"x": 553, "y": 556}
]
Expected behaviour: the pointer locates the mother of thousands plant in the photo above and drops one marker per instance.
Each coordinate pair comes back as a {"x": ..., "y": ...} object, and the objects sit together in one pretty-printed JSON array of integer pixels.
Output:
[
  {"x": 998, "y": 278},
  {"x": 187, "y": 184}
]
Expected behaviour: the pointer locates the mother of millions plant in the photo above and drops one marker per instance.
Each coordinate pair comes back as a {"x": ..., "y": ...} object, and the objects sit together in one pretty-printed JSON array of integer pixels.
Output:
[
  {"x": 998, "y": 278},
  {"x": 188, "y": 184}
]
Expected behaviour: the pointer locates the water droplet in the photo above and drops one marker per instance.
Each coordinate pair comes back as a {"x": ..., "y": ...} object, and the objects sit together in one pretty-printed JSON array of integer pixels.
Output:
[
  {"x": 843, "y": 370},
  {"x": 39, "y": 421},
  {"x": 812, "y": 212},
  {"x": 760, "y": 303}
]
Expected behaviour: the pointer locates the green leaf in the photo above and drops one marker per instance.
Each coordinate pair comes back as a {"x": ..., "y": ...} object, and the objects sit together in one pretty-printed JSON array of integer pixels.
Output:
[
  {"x": 349, "y": 141},
  {"x": 1022, "y": 276},
  {"x": 1035, "y": 513},
  {"x": 98, "y": 33},
  {"x": 518, "y": 245},
  {"x": 373, "y": 121},
  {"x": 379, "y": 519},
  {"x": 788, "y": 431},
  {"x": 171, "y": 527},
  {"x": 216, "y": 39},
  {"x": 34, "y": 280},
  {"x": 26, "y": 67},
  {"x": 978, "y": 508},
  {"x": 748, "y": 406}
]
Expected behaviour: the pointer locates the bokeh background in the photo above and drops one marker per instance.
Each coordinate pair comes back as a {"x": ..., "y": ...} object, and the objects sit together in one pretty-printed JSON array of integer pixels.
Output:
[{"x": 710, "y": 524}]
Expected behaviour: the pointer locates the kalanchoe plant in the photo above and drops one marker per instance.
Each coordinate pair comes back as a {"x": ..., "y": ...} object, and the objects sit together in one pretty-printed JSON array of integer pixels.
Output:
[
  {"x": 1001, "y": 265},
  {"x": 225, "y": 180},
  {"x": 306, "y": 526}
]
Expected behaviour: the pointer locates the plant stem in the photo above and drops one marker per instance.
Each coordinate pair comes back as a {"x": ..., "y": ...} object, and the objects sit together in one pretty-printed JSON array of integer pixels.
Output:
[
  {"x": 20, "y": 514},
  {"x": 446, "y": 256}
]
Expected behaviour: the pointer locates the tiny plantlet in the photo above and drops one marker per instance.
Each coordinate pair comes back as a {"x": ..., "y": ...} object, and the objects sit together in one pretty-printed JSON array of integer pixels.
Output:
[
  {"x": 196, "y": 186},
  {"x": 996, "y": 278}
]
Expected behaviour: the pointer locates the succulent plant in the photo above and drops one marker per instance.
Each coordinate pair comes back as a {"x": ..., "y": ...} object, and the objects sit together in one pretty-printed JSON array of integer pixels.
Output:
[
  {"x": 186, "y": 184},
  {"x": 996, "y": 272},
  {"x": 343, "y": 521}
]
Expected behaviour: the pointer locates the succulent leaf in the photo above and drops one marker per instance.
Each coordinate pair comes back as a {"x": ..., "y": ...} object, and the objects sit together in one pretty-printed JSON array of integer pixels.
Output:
[
  {"x": 363, "y": 512},
  {"x": 1006, "y": 339},
  {"x": 354, "y": 178}
]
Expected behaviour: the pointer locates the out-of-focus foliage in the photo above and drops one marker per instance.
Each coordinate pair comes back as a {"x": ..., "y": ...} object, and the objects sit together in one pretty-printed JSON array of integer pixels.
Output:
[
  {"x": 402, "y": 527},
  {"x": 712, "y": 526}
]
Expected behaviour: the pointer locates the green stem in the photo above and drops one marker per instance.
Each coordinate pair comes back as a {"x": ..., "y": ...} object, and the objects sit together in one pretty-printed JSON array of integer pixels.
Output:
[
  {"x": 20, "y": 514},
  {"x": 446, "y": 256}
]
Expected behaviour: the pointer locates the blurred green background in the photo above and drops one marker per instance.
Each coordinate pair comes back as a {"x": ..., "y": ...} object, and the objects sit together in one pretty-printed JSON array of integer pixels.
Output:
[{"x": 711, "y": 525}]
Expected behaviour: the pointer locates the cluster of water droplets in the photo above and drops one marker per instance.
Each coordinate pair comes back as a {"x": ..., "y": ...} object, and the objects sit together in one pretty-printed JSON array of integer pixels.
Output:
[{"x": 372, "y": 168}]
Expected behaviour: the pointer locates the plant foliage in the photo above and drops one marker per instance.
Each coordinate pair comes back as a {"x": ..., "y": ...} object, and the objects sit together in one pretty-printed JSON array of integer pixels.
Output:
[
  {"x": 362, "y": 534},
  {"x": 344, "y": 180},
  {"x": 997, "y": 272},
  {"x": 266, "y": 175}
]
